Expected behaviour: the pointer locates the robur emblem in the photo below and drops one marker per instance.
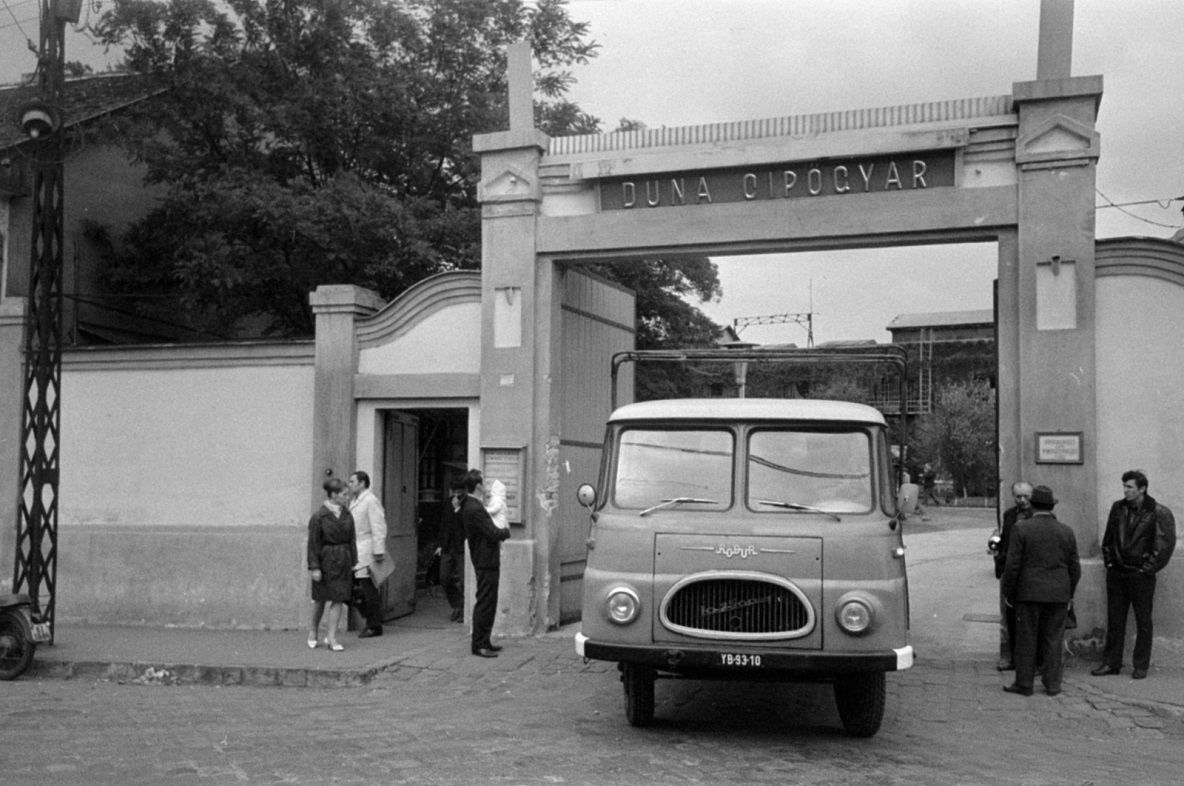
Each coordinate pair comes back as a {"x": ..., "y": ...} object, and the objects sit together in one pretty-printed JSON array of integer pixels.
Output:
[{"x": 743, "y": 552}]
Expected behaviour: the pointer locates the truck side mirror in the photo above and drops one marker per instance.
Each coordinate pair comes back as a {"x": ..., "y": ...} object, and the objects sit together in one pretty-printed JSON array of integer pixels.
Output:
[{"x": 586, "y": 494}]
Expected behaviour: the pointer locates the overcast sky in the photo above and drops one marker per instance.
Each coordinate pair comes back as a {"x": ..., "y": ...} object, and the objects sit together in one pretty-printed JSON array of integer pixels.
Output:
[{"x": 688, "y": 62}]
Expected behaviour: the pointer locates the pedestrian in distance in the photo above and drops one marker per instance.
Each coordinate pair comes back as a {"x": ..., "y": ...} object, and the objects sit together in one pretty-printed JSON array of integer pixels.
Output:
[
  {"x": 452, "y": 551},
  {"x": 332, "y": 554},
  {"x": 484, "y": 539},
  {"x": 1021, "y": 492},
  {"x": 1139, "y": 540},
  {"x": 1039, "y": 580},
  {"x": 370, "y": 523},
  {"x": 929, "y": 485}
]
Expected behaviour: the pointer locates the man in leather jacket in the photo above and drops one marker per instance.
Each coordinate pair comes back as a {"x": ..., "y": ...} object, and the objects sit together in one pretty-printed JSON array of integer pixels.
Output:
[{"x": 1139, "y": 539}]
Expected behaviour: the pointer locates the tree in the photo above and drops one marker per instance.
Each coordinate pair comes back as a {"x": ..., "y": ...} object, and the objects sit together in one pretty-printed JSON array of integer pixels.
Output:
[
  {"x": 959, "y": 436},
  {"x": 665, "y": 319},
  {"x": 309, "y": 142}
]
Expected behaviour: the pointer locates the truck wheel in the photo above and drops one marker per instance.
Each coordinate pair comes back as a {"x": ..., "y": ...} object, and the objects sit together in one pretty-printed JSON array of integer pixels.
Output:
[
  {"x": 639, "y": 694},
  {"x": 860, "y": 698},
  {"x": 16, "y": 646}
]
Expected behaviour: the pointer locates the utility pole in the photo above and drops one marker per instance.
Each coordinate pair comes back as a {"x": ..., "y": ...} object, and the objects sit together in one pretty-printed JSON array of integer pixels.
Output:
[{"x": 35, "y": 569}]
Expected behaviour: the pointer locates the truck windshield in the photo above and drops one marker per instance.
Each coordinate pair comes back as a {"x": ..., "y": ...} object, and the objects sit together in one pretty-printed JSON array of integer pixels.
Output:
[
  {"x": 656, "y": 466},
  {"x": 825, "y": 469}
]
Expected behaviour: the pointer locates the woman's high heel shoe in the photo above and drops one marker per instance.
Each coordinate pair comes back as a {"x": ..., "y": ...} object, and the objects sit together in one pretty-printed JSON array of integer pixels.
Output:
[
  {"x": 335, "y": 647},
  {"x": 312, "y": 641}
]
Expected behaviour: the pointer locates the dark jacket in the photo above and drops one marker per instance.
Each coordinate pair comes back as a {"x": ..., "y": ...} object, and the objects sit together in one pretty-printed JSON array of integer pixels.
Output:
[
  {"x": 483, "y": 535},
  {"x": 452, "y": 531},
  {"x": 1009, "y": 518},
  {"x": 1145, "y": 547},
  {"x": 1042, "y": 563}
]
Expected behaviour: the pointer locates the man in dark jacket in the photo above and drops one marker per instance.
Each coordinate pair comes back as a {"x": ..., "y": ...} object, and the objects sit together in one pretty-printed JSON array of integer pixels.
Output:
[
  {"x": 485, "y": 539},
  {"x": 452, "y": 551},
  {"x": 1139, "y": 540},
  {"x": 1020, "y": 511},
  {"x": 1039, "y": 579}
]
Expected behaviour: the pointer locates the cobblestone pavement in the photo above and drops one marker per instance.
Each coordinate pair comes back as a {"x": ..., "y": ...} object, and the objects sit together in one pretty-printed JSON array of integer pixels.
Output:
[{"x": 546, "y": 717}]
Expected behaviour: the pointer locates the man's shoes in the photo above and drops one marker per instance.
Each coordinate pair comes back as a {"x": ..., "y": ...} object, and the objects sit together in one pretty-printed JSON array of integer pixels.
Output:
[
  {"x": 1016, "y": 689},
  {"x": 1004, "y": 665},
  {"x": 484, "y": 653},
  {"x": 1106, "y": 671},
  {"x": 1052, "y": 691},
  {"x": 494, "y": 647},
  {"x": 1139, "y": 674},
  {"x": 369, "y": 632}
]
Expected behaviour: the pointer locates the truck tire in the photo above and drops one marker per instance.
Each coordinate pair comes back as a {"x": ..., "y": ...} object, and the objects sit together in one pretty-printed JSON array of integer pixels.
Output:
[
  {"x": 639, "y": 694},
  {"x": 860, "y": 699},
  {"x": 16, "y": 645}
]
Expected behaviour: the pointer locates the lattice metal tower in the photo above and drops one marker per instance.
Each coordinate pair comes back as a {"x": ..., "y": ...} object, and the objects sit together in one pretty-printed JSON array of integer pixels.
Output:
[{"x": 35, "y": 568}]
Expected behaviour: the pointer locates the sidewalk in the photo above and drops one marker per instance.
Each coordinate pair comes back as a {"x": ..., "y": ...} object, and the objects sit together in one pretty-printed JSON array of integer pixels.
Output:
[{"x": 953, "y": 600}]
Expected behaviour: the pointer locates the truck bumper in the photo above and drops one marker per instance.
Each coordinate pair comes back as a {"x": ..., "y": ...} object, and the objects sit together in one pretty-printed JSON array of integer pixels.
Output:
[{"x": 714, "y": 658}]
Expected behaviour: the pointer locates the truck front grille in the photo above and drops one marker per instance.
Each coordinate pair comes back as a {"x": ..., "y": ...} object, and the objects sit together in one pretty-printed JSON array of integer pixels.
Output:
[{"x": 737, "y": 608}]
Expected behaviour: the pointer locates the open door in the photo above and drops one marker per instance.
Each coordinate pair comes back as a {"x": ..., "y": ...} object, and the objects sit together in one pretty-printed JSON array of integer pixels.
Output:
[{"x": 398, "y": 497}]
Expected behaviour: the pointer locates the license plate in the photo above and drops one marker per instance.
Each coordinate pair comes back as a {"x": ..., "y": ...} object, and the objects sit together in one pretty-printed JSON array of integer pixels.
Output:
[
  {"x": 41, "y": 632},
  {"x": 739, "y": 659}
]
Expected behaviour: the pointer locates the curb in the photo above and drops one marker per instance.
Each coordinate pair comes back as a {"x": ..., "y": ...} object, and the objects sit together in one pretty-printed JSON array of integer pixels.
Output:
[{"x": 192, "y": 674}]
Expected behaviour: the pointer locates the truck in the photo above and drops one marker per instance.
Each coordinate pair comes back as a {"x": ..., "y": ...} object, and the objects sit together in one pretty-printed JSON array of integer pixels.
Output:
[{"x": 749, "y": 539}]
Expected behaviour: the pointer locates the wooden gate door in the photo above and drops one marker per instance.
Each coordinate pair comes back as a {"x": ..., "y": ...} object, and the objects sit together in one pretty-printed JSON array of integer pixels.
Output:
[
  {"x": 598, "y": 321},
  {"x": 398, "y": 497}
]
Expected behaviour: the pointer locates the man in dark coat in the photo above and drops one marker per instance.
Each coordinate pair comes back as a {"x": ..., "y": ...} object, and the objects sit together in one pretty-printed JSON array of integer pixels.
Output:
[
  {"x": 452, "y": 551},
  {"x": 1039, "y": 579},
  {"x": 485, "y": 539},
  {"x": 1020, "y": 511},
  {"x": 1139, "y": 540}
]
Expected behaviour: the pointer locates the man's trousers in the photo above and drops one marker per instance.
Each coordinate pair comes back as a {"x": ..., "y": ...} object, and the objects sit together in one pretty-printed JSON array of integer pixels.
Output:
[
  {"x": 485, "y": 607},
  {"x": 1126, "y": 590},
  {"x": 1040, "y": 632}
]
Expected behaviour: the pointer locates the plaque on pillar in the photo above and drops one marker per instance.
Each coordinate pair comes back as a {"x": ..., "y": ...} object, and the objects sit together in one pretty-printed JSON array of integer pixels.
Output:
[
  {"x": 1058, "y": 447},
  {"x": 509, "y": 466},
  {"x": 1056, "y": 294}
]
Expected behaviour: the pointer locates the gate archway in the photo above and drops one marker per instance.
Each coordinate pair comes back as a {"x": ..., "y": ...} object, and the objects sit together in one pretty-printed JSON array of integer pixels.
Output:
[{"x": 1017, "y": 170}]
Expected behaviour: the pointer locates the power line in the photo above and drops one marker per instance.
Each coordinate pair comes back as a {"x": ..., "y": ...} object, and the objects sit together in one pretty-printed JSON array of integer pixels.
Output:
[{"x": 1163, "y": 203}]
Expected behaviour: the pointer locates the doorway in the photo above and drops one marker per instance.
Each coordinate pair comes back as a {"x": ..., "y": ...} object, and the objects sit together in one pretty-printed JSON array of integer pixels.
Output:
[{"x": 424, "y": 451}]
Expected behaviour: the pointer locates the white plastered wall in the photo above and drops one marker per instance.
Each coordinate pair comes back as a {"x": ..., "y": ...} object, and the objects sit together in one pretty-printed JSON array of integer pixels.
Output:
[{"x": 1140, "y": 388}]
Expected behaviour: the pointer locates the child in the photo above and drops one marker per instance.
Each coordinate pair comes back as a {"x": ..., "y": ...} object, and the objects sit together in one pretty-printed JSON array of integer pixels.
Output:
[{"x": 496, "y": 506}]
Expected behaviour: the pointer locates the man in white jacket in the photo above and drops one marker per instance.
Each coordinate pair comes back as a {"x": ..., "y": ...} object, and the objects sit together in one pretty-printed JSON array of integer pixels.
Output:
[{"x": 370, "y": 525}]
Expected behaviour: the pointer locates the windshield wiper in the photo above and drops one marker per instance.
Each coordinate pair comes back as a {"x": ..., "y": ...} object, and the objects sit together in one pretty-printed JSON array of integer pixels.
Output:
[
  {"x": 668, "y": 503},
  {"x": 795, "y": 506}
]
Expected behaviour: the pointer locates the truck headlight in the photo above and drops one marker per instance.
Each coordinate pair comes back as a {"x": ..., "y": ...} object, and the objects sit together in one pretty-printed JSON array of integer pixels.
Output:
[
  {"x": 854, "y": 616},
  {"x": 622, "y": 606}
]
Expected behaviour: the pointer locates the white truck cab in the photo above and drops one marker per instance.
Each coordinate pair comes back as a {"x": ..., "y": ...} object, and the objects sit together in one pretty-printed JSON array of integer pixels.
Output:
[{"x": 750, "y": 539}]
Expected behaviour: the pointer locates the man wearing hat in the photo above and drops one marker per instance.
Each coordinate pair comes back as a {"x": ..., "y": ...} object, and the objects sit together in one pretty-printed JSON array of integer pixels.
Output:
[{"x": 1039, "y": 579}]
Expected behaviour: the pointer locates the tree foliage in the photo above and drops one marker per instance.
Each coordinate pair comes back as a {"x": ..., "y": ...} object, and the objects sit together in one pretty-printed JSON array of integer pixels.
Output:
[
  {"x": 309, "y": 142},
  {"x": 959, "y": 436},
  {"x": 666, "y": 319}
]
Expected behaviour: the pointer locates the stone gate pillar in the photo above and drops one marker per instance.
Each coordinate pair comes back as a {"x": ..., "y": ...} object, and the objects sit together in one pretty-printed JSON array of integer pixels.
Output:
[
  {"x": 517, "y": 333},
  {"x": 1052, "y": 409},
  {"x": 336, "y": 309}
]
